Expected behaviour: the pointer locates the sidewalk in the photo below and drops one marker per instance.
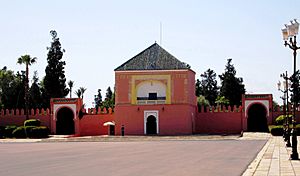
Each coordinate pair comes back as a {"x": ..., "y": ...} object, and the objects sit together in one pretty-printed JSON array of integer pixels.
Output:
[{"x": 273, "y": 160}]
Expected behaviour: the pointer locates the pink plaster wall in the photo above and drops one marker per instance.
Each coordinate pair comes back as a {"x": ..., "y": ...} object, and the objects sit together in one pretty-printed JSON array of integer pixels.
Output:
[
  {"x": 220, "y": 121},
  {"x": 17, "y": 117},
  {"x": 92, "y": 124},
  {"x": 173, "y": 119}
]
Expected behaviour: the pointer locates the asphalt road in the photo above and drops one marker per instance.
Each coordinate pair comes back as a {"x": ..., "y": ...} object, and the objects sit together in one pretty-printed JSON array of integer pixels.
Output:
[{"x": 182, "y": 158}]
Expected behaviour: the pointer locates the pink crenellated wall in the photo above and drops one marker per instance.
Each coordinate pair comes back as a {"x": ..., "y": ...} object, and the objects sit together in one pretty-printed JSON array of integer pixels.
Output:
[
  {"x": 17, "y": 117},
  {"x": 220, "y": 120},
  {"x": 214, "y": 120},
  {"x": 90, "y": 124}
]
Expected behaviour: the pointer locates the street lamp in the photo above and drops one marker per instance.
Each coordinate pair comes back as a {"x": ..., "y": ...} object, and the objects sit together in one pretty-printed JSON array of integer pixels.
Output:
[
  {"x": 289, "y": 36},
  {"x": 285, "y": 98}
]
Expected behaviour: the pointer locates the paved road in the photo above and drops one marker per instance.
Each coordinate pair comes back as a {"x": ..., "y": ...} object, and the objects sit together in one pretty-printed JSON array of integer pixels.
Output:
[{"x": 207, "y": 157}]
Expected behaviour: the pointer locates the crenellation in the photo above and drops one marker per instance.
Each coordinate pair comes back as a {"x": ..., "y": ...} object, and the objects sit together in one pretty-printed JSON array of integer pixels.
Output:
[
  {"x": 43, "y": 111},
  {"x": 17, "y": 112},
  {"x": 229, "y": 109},
  {"x": 104, "y": 110},
  {"x": 234, "y": 108},
  {"x": 110, "y": 110},
  {"x": 47, "y": 111}
]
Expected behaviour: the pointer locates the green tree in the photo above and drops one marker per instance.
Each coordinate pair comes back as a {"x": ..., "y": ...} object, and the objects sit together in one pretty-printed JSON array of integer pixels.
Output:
[
  {"x": 109, "y": 93},
  {"x": 208, "y": 86},
  {"x": 197, "y": 85},
  {"x": 35, "y": 95},
  {"x": 78, "y": 93},
  {"x": 232, "y": 87},
  {"x": 82, "y": 90},
  {"x": 70, "y": 84},
  {"x": 275, "y": 105},
  {"x": 201, "y": 101},
  {"x": 27, "y": 60},
  {"x": 18, "y": 89},
  {"x": 221, "y": 100},
  {"x": 55, "y": 80},
  {"x": 98, "y": 100},
  {"x": 109, "y": 101},
  {"x": 12, "y": 90}
]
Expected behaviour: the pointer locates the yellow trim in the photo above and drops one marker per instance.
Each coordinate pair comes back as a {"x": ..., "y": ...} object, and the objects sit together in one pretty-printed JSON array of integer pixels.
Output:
[{"x": 149, "y": 78}]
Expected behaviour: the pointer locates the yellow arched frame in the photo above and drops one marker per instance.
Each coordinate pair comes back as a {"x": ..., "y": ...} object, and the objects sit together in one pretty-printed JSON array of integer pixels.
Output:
[{"x": 149, "y": 78}]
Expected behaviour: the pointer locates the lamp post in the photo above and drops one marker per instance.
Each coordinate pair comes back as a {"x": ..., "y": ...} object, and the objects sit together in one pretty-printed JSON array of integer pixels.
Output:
[
  {"x": 289, "y": 36},
  {"x": 285, "y": 98}
]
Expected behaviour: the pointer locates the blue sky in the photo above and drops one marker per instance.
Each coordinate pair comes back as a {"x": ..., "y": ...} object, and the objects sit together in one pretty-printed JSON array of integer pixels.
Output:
[{"x": 98, "y": 36}]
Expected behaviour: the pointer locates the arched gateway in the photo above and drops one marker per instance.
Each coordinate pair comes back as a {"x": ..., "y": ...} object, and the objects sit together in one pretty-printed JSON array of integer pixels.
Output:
[
  {"x": 257, "y": 118},
  {"x": 257, "y": 109},
  {"x": 65, "y": 122},
  {"x": 65, "y": 115}
]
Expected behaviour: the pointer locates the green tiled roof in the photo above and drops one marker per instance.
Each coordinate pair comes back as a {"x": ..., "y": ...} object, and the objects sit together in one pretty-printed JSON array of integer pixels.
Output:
[{"x": 153, "y": 58}]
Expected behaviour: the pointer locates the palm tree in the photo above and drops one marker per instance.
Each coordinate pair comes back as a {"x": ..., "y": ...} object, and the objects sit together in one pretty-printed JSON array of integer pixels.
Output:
[
  {"x": 78, "y": 93},
  {"x": 71, "y": 84},
  {"x": 82, "y": 89},
  {"x": 27, "y": 60}
]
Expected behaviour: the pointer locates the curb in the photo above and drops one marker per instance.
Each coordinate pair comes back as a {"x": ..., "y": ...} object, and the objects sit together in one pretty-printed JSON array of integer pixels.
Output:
[{"x": 254, "y": 164}]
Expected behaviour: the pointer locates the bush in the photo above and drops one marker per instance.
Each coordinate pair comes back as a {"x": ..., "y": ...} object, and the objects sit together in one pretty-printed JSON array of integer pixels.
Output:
[
  {"x": 280, "y": 119},
  {"x": 21, "y": 133},
  {"x": 9, "y": 130},
  {"x": 40, "y": 132},
  {"x": 31, "y": 132},
  {"x": 32, "y": 122},
  {"x": 277, "y": 130}
]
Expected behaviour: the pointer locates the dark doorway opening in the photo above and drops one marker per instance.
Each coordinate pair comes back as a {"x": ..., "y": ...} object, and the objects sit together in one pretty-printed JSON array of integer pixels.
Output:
[
  {"x": 65, "y": 122},
  {"x": 151, "y": 125},
  {"x": 257, "y": 119},
  {"x": 111, "y": 130}
]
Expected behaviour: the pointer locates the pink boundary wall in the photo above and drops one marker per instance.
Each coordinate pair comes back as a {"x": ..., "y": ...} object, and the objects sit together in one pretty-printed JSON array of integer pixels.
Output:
[
  {"x": 220, "y": 120},
  {"x": 213, "y": 120},
  {"x": 17, "y": 117},
  {"x": 91, "y": 124}
]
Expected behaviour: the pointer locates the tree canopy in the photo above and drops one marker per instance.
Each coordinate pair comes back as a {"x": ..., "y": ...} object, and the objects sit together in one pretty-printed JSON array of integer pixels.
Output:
[
  {"x": 108, "y": 102},
  {"x": 55, "y": 80},
  {"x": 70, "y": 84},
  {"x": 208, "y": 87},
  {"x": 98, "y": 100},
  {"x": 27, "y": 60},
  {"x": 232, "y": 87},
  {"x": 295, "y": 87},
  {"x": 35, "y": 95},
  {"x": 12, "y": 90}
]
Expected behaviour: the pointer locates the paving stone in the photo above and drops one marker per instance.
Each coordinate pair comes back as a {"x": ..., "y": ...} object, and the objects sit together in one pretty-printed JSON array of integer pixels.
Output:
[{"x": 275, "y": 159}]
